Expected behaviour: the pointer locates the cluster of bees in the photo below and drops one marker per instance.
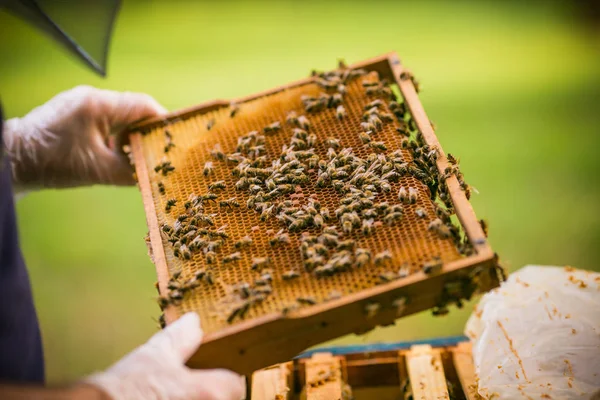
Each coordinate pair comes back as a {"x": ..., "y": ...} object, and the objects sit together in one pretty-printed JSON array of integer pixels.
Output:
[{"x": 273, "y": 189}]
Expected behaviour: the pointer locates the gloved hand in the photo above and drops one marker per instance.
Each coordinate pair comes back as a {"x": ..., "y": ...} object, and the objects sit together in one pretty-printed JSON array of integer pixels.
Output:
[
  {"x": 539, "y": 334},
  {"x": 156, "y": 370},
  {"x": 69, "y": 141}
]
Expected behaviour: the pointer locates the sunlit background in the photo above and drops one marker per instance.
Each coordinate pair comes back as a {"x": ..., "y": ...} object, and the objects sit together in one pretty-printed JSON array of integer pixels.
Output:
[{"x": 514, "y": 91}]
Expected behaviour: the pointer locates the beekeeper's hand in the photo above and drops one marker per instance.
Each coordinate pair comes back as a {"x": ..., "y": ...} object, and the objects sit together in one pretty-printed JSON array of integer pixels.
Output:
[
  {"x": 69, "y": 141},
  {"x": 538, "y": 335},
  {"x": 156, "y": 370}
]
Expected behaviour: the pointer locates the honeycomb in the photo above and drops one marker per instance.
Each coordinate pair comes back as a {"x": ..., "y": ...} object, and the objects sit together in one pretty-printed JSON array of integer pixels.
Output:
[{"x": 409, "y": 241}]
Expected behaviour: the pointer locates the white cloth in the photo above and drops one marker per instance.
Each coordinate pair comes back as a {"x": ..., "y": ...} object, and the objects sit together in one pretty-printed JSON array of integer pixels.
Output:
[
  {"x": 539, "y": 335},
  {"x": 156, "y": 370}
]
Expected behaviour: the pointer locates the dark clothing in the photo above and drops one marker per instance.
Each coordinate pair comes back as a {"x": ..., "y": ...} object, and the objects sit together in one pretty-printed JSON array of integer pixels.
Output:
[{"x": 21, "y": 357}]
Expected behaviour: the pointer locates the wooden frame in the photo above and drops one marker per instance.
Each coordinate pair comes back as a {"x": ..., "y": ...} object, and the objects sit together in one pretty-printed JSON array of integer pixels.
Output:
[
  {"x": 428, "y": 368},
  {"x": 273, "y": 338}
]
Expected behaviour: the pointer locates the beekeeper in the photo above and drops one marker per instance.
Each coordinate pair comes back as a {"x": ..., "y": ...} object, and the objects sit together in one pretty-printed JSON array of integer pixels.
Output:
[{"x": 67, "y": 142}]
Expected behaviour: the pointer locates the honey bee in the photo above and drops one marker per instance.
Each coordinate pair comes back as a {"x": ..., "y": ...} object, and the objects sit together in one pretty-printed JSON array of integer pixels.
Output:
[
  {"x": 207, "y": 197},
  {"x": 371, "y": 309},
  {"x": 340, "y": 112},
  {"x": 334, "y": 295},
  {"x": 333, "y": 143},
  {"x": 272, "y": 128},
  {"x": 335, "y": 100},
  {"x": 364, "y": 137},
  {"x": 380, "y": 146},
  {"x": 264, "y": 279},
  {"x": 229, "y": 203},
  {"x": 363, "y": 257},
  {"x": 452, "y": 160},
  {"x": 280, "y": 238},
  {"x": 484, "y": 226},
  {"x": 308, "y": 300},
  {"x": 208, "y": 168},
  {"x": 421, "y": 213},
  {"x": 240, "y": 311},
  {"x": 404, "y": 270},
  {"x": 303, "y": 123},
  {"x": 217, "y": 185},
  {"x": 433, "y": 266},
  {"x": 246, "y": 241},
  {"x": 161, "y": 188},
  {"x": 260, "y": 262},
  {"x": 367, "y": 127},
  {"x": 440, "y": 311},
  {"x": 382, "y": 257},
  {"x": 210, "y": 124},
  {"x": 232, "y": 257},
  {"x": 175, "y": 295},
  {"x": 170, "y": 204},
  {"x": 347, "y": 227},
  {"x": 387, "y": 276},
  {"x": 200, "y": 274},
  {"x": 210, "y": 257},
  {"x": 291, "y": 118},
  {"x": 233, "y": 109},
  {"x": 403, "y": 195},
  {"x": 289, "y": 275},
  {"x": 168, "y": 147},
  {"x": 413, "y": 195},
  {"x": 375, "y": 103},
  {"x": 346, "y": 245},
  {"x": 163, "y": 301},
  {"x": 311, "y": 140},
  {"x": 375, "y": 121}
]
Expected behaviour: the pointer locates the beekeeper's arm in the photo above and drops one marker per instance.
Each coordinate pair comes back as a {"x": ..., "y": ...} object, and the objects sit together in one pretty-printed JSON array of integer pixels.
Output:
[
  {"x": 154, "y": 370},
  {"x": 69, "y": 141}
]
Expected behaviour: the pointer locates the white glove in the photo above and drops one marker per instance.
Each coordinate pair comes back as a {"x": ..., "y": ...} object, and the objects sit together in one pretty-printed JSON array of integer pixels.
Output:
[
  {"x": 156, "y": 370},
  {"x": 539, "y": 333},
  {"x": 70, "y": 140}
]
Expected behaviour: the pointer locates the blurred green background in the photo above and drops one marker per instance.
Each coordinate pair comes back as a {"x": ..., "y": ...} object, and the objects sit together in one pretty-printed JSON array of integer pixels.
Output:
[{"x": 514, "y": 90}]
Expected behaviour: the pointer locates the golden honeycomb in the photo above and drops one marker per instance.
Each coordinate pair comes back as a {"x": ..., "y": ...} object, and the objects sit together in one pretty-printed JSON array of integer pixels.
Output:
[{"x": 409, "y": 241}]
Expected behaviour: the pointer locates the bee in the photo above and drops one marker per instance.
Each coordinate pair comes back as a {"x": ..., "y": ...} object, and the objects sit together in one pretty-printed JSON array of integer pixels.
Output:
[
  {"x": 367, "y": 84},
  {"x": 233, "y": 110},
  {"x": 440, "y": 311},
  {"x": 175, "y": 295},
  {"x": 403, "y": 195},
  {"x": 453, "y": 160},
  {"x": 387, "y": 276},
  {"x": 216, "y": 153},
  {"x": 289, "y": 275},
  {"x": 217, "y": 185},
  {"x": 433, "y": 266},
  {"x": 371, "y": 309},
  {"x": 170, "y": 204},
  {"x": 435, "y": 224},
  {"x": 210, "y": 124},
  {"x": 363, "y": 257},
  {"x": 367, "y": 127},
  {"x": 346, "y": 245},
  {"x": 367, "y": 226},
  {"x": 375, "y": 103},
  {"x": 311, "y": 140},
  {"x": 334, "y": 295},
  {"x": 280, "y": 238},
  {"x": 292, "y": 118},
  {"x": 246, "y": 241},
  {"x": 260, "y": 262},
  {"x": 264, "y": 279},
  {"x": 335, "y": 100},
  {"x": 163, "y": 301},
  {"x": 404, "y": 270},
  {"x": 207, "y": 197},
  {"x": 200, "y": 274},
  {"x": 484, "y": 226},
  {"x": 161, "y": 188},
  {"x": 210, "y": 257},
  {"x": 168, "y": 147},
  {"x": 413, "y": 195},
  {"x": 232, "y": 257},
  {"x": 303, "y": 123},
  {"x": 378, "y": 146},
  {"x": 208, "y": 168},
  {"x": 243, "y": 289},
  {"x": 347, "y": 227},
  {"x": 238, "y": 311},
  {"x": 364, "y": 137},
  {"x": 382, "y": 257},
  {"x": 272, "y": 128},
  {"x": 229, "y": 203},
  {"x": 185, "y": 252},
  {"x": 333, "y": 143},
  {"x": 308, "y": 300},
  {"x": 421, "y": 213},
  {"x": 288, "y": 309},
  {"x": 375, "y": 121}
]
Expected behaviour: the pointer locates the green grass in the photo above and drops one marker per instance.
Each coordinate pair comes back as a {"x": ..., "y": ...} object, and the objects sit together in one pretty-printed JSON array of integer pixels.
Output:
[{"x": 513, "y": 90}]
